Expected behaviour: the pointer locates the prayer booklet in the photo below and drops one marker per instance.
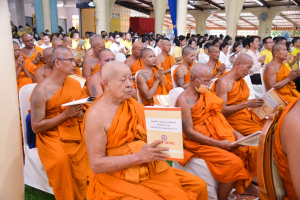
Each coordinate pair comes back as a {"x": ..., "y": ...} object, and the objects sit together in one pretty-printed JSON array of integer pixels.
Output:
[
  {"x": 161, "y": 100},
  {"x": 271, "y": 99},
  {"x": 78, "y": 78},
  {"x": 81, "y": 42},
  {"x": 78, "y": 54},
  {"x": 165, "y": 124},
  {"x": 80, "y": 101},
  {"x": 250, "y": 140}
]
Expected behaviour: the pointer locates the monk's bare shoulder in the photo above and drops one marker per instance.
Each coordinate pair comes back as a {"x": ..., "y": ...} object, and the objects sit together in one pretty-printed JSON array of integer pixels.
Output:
[
  {"x": 222, "y": 85},
  {"x": 185, "y": 101},
  {"x": 159, "y": 59},
  {"x": 129, "y": 61},
  {"x": 270, "y": 68}
]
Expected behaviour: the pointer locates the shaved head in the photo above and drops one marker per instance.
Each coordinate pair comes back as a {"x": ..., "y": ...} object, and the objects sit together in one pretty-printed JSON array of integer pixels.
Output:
[
  {"x": 98, "y": 36},
  {"x": 101, "y": 52},
  {"x": 66, "y": 38},
  {"x": 110, "y": 69},
  {"x": 47, "y": 52},
  {"x": 243, "y": 58},
  {"x": 28, "y": 41},
  {"x": 166, "y": 45},
  {"x": 97, "y": 41},
  {"x": 201, "y": 70},
  {"x": 242, "y": 65},
  {"x": 211, "y": 48},
  {"x": 277, "y": 47},
  {"x": 67, "y": 42},
  {"x": 56, "y": 42},
  {"x": 59, "y": 53},
  {"x": 26, "y": 36},
  {"x": 186, "y": 50},
  {"x": 145, "y": 51},
  {"x": 137, "y": 47}
]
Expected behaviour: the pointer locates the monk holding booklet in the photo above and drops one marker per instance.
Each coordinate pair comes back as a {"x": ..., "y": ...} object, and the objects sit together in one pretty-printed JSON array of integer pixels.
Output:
[
  {"x": 124, "y": 165},
  {"x": 207, "y": 135}
]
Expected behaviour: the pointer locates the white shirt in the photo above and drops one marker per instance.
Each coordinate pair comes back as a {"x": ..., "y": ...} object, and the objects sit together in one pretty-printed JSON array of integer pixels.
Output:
[
  {"x": 44, "y": 46},
  {"x": 256, "y": 67},
  {"x": 114, "y": 47},
  {"x": 203, "y": 58},
  {"x": 224, "y": 59},
  {"x": 157, "y": 50}
]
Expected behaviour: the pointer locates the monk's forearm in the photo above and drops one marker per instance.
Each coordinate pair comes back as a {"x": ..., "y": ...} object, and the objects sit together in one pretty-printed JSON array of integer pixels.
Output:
[
  {"x": 217, "y": 75},
  {"x": 47, "y": 124},
  {"x": 149, "y": 95},
  {"x": 167, "y": 71},
  {"x": 229, "y": 110},
  {"x": 34, "y": 62},
  {"x": 18, "y": 72},
  {"x": 200, "y": 138},
  {"x": 281, "y": 84},
  {"x": 28, "y": 74},
  {"x": 186, "y": 85}
]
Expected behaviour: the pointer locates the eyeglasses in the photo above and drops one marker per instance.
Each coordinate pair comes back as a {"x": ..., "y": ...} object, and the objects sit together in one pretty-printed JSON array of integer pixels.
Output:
[
  {"x": 69, "y": 59},
  {"x": 205, "y": 82}
]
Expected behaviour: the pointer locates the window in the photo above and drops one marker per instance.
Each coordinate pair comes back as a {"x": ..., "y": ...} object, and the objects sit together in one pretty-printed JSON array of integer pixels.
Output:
[{"x": 75, "y": 21}]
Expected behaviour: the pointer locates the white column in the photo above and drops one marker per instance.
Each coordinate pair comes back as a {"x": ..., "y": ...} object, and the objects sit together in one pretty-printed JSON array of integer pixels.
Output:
[
  {"x": 181, "y": 16},
  {"x": 233, "y": 11},
  {"x": 200, "y": 18},
  {"x": 265, "y": 27},
  {"x": 100, "y": 16},
  {"x": 190, "y": 29},
  {"x": 20, "y": 13},
  {"x": 160, "y": 7},
  {"x": 294, "y": 31},
  {"x": 11, "y": 173},
  {"x": 46, "y": 15}
]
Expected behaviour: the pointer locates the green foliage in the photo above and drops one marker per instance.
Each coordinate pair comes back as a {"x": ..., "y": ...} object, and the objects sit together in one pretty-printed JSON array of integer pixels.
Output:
[
  {"x": 35, "y": 194},
  {"x": 170, "y": 162}
]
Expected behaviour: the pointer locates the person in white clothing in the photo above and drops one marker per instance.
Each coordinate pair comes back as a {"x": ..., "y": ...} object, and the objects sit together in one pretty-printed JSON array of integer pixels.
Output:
[
  {"x": 157, "y": 48},
  {"x": 46, "y": 43},
  {"x": 204, "y": 57},
  {"x": 224, "y": 58},
  {"x": 117, "y": 46},
  {"x": 236, "y": 48}
]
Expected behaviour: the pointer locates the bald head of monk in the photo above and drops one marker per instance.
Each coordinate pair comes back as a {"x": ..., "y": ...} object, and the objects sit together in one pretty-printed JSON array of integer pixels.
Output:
[
  {"x": 188, "y": 54},
  {"x": 28, "y": 41},
  {"x": 91, "y": 38},
  {"x": 17, "y": 50},
  {"x": 242, "y": 65},
  {"x": 105, "y": 56},
  {"x": 279, "y": 52},
  {"x": 166, "y": 45},
  {"x": 201, "y": 76},
  {"x": 214, "y": 52},
  {"x": 137, "y": 47},
  {"x": 67, "y": 42},
  {"x": 117, "y": 81},
  {"x": 63, "y": 61},
  {"x": 56, "y": 42},
  {"x": 97, "y": 45},
  {"x": 148, "y": 57},
  {"x": 47, "y": 56}
]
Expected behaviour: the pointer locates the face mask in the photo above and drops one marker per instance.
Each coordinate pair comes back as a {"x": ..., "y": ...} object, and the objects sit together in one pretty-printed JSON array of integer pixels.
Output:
[
  {"x": 202, "y": 89},
  {"x": 36, "y": 36},
  {"x": 292, "y": 49},
  {"x": 118, "y": 40},
  {"x": 47, "y": 32},
  {"x": 21, "y": 29},
  {"x": 230, "y": 41}
]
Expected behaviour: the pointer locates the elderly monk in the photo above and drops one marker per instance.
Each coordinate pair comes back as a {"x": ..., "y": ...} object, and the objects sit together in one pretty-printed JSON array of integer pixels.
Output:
[
  {"x": 125, "y": 166},
  {"x": 90, "y": 60},
  {"x": 25, "y": 70},
  {"x": 286, "y": 149},
  {"x": 32, "y": 52},
  {"x": 56, "y": 42},
  {"x": 278, "y": 76},
  {"x": 47, "y": 69},
  {"x": 181, "y": 74},
  {"x": 59, "y": 140},
  {"x": 166, "y": 61},
  {"x": 134, "y": 61},
  {"x": 214, "y": 63},
  {"x": 94, "y": 83},
  {"x": 151, "y": 79},
  {"x": 233, "y": 89},
  {"x": 207, "y": 135},
  {"x": 67, "y": 42}
]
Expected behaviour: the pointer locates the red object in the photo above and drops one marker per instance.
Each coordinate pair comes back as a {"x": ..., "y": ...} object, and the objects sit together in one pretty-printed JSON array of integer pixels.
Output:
[{"x": 142, "y": 25}]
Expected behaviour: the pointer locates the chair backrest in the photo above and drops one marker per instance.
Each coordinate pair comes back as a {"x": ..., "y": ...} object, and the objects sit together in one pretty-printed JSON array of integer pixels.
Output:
[
  {"x": 250, "y": 86},
  {"x": 24, "y": 96},
  {"x": 137, "y": 91},
  {"x": 120, "y": 57},
  {"x": 173, "y": 95},
  {"x": 270, "y": 185},
  {"x": 262, "y": 80},
  {"x": 172, "y": 73}
]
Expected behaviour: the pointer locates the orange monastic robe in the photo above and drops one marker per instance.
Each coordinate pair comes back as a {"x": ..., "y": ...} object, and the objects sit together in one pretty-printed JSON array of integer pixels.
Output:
[
  {"x": 186, "y": 77},
  {"x": 238, "y": 165},
  {"x": 62, "y": 149},
  {"x": 95, "y": 69},
  {"x": 135, "y": 67},
  {"x": 23, "y": 79},
  {"x": 167, "y": 64},
  {"x": 242, "y": 121},
  {"x": 147, "y": 181},
  {"x": 32, "y": 57},
  {"x": 161, "y": 90},
  {"x": 288, "y": 92},
  {"x": 281, "y": 158},
  {"x": 215, "y": 70}
]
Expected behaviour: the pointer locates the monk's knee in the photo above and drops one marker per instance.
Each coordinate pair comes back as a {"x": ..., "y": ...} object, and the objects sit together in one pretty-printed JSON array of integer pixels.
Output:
[{"x": 200, "y": 187}]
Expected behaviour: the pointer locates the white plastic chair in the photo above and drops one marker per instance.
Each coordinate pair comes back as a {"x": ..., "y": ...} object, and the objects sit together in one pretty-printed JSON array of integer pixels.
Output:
[
  {"x": 173, "y": 95},
  {"x": 250, "y": 86},
  {"x": 34, "y": 171},
  {"x": 262, "y": 80},
  {"x": 120, "y": 57},
  {"x": 172, "y": 73},
  {"x": 137, "y": 91}
]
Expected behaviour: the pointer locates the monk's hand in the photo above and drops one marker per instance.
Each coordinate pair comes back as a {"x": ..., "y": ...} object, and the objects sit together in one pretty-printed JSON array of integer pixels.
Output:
[
  {"x": 226, "y": 145},
  {"x": 238, "y": 135},
  {"x": 262, "y": 59},
  {"x": 38, "y": 57},
  {"x": 150, "y": 152},
  {"x": 294, "y": 74},
  {"x": 21, "y": 62},
  {"x": 221, "y": 68},
  {"x": 74, "y": 111},
  {"x": 255, "y": 103},
  {"x": 159, "y": 75}
]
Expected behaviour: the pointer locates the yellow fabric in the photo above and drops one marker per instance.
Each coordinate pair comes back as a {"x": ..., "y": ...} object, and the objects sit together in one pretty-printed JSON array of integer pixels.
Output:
[
  {"x": 294, "y": 52},
  {"x": 288, "y": 64},
  {"x": 177, "y": 52},
  {"x": 87, "y": 45},
  {"x": 28, "y": 29},
  {"x": 104, "y": 41},
  {"x": 107, "y": 45},
  {"x": 269, "y": 56},
  {"x": 201, "y": 50},
  {"x": 74, "y": 44},
  {"x": 127, "y": 45},
  {"x": 69, "y": 34},
  {"x": 21, "y": 33}
]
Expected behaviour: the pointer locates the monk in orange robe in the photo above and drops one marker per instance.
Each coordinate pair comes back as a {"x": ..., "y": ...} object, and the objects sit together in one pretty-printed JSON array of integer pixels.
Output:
[
  {"x": 90, "y": 60},
  {"x": 286, "y": 149},
  {"x": 56, "y": 42},
  {"x": 278, "y": 76},
  {"x": 47, "y": 69},
  {"x": 181, "y": 74},
  {"x": 150, "y": 80},
  {"x": 59, "y": 140},
  {"x": 166, "y": 61},
  {"x": 124, "y": 165},
  {"x": 233, "y": 89},
  {"x": 214, "y": 63},
  {"x": 32, "y": 52},
  {"x": 207, "y": 135}
]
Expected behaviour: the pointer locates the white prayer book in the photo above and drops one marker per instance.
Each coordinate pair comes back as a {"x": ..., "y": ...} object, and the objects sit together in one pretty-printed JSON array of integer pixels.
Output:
[
  {"x": 80, "y": 101},
  {"x": 250, "y": 140}
]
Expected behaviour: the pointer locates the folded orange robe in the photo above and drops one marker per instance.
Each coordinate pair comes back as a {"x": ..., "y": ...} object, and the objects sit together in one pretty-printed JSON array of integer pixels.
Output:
[
  {"x": 23, "y": 79},
  {"x": 281, "y": 158},
  {"x": 161, "y": 90},
  {"x": 33, "y": 56},
  {"x": 147, "y": 181},
  {"x": 242, "y": 121},
  {"x": 167, "y": 64},
  {"x": 62, "y": 149},
  {"x": 215, "y": 71},
  {"x": 186, "y": 77},
  {"x": 135, "y": 67},
  {"x": 288, "y": 92},
  {"x": 95, "y": 69},
  {"x": 238, "y": 165}
]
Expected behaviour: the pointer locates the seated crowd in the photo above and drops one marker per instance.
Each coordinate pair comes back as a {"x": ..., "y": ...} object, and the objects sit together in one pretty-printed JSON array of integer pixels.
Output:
[{"x": 100, "y": 151}]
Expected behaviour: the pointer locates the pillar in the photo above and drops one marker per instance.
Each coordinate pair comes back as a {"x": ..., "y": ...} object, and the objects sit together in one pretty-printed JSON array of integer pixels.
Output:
[
  {"x": 265, "y": 27},
  {"x": 233, "y": 11},
  {"x": 103, "y": 14},
  {"x": 39, "y": 16},
  {"x": 11, "y": 173},
  {"x": 293, "y": 31},
  {"x": 160, "y": 7},
  {"x": 20, "y": 13},
  {"x": 190, "y": 29},
  {"x": 181, "y": 16},
  {"x": 200, "y": 18},
  {"x": 54, "y": 16},
  {"x": 46, "y": 15}
]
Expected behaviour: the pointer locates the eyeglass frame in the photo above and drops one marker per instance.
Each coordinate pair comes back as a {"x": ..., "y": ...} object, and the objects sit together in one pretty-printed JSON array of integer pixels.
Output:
[
  {"x": 205, "y": 82},
  {"x": 69, "y": 59}
]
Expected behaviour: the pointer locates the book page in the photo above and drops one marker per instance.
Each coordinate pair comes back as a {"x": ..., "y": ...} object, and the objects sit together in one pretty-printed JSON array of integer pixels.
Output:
[
  {"x": 161, "y": 100},
  {"x": 78, "y": 54},
  {"x": 80, "y": 101},
  {"x": 78, "y": 78},
  {"x": 81, "y": 42},
  {"x": 250, "y": 140}
]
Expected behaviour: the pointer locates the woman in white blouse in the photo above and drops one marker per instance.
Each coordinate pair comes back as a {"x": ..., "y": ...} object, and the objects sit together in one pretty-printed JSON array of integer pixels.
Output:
[
  {"x": 224, "y": 58},
  {"x": 157, "y": 49}
]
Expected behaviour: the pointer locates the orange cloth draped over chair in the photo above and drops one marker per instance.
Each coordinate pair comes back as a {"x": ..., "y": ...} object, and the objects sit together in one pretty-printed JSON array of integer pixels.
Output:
[
  {"x": 62, "y": 149},
  {"x": 288, "y": 92},
  {"x": 238, "y": 165},
  {"x": 161, "y": 90},
  {"x": 33, "y": 56},
  {"x": 23, "y": 79},
  {"x": 147, "y": 181},
  {"x": 168, "y": 64},
  {"x": 215, "y": 70},
  {"x": 281, "y": 158},
  {"x": 135, "y": 67},
  {"x": 95, "y": 69},
  {"x": 242, "y": 121},
  {"x": 186, "y": 77}
]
